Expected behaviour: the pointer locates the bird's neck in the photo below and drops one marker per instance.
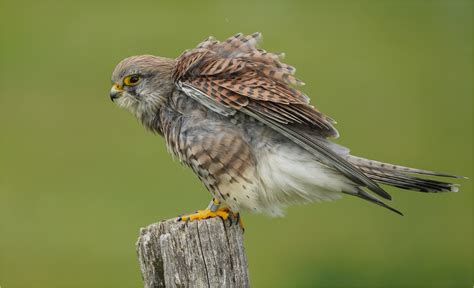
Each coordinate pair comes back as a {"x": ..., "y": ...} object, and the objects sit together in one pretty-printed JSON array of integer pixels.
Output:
[{"x": 158, "y": 119}]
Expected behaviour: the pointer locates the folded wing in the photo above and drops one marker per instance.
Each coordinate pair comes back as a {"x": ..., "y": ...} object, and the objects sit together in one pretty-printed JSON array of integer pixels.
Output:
[{"x": 234, "y": 75}]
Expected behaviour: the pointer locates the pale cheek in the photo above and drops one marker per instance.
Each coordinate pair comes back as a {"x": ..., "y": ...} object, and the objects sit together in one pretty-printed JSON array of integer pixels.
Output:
[{"x": 127, "y": 101}]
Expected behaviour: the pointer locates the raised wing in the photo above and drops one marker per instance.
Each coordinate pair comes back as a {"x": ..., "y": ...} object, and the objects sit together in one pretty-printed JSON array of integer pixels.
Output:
[
  {"x": 234, "y": 75},
  {"x": 238, "y": 75}
]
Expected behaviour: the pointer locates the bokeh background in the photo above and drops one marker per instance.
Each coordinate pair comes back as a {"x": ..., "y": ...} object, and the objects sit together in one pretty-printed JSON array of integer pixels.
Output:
[{"x": 79, "y": 176}]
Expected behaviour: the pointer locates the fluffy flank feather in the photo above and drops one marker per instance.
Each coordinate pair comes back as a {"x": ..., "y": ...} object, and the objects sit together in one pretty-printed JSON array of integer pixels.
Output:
[{"x": 318, "y": 148}]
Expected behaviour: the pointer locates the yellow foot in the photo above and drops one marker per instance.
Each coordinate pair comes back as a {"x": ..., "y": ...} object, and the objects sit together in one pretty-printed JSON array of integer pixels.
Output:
[{"x": 205, "y": 214}]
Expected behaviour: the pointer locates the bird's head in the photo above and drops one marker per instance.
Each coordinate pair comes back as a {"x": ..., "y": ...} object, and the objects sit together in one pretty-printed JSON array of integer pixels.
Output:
[{"x": 141, "y": 84}]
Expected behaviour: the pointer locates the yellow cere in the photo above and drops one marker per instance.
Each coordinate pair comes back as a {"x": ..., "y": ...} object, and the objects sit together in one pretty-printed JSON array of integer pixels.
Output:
[{"x": 118, "y": 86}]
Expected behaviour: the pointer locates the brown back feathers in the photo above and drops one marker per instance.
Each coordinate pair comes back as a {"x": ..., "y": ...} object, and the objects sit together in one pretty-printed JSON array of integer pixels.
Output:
[{"x": 237, "y": 74}]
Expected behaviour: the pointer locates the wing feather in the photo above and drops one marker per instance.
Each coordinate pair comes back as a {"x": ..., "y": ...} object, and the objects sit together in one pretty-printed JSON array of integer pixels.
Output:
[
  {"x": 328, "y": 156},
  {"x": 236, "y": 76}
]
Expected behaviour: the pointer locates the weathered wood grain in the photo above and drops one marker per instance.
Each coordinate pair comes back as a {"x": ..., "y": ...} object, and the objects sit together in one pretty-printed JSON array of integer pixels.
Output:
[{"x": 206, "y": 253}]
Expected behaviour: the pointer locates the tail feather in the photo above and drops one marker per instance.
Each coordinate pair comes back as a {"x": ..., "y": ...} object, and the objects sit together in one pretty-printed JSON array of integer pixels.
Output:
[
  {"x": 362, "y": 162},
  {"x": 398, "y": 176},
  {"x": 371, "y": 198},
  {"x": 408, "y": 182}
]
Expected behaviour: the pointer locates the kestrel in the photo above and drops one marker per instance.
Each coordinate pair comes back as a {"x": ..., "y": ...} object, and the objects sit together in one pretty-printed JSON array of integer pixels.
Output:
[{"x": 232, "y": 113}]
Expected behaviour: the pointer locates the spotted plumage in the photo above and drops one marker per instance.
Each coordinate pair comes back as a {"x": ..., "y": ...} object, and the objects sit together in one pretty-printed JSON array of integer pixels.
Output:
[{"x": 233, "y": 113}]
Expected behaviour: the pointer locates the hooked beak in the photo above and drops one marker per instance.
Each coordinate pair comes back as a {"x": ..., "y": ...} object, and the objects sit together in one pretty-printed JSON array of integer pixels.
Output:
[{"x": 115, "y": 91}]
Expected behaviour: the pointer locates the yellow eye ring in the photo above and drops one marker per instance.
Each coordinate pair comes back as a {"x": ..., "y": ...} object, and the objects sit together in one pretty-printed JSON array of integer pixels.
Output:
[{"x": 131, "y": 80}]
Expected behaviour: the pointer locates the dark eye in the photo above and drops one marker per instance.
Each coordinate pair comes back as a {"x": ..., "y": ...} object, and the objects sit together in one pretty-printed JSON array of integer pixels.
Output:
[{"x": 131, "y": 80}]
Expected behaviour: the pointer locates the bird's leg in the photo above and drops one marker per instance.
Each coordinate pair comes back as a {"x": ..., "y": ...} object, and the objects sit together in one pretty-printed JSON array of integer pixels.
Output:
[
  {"x": 214, "y": 205},
  {"x": 212, "y": 210}
]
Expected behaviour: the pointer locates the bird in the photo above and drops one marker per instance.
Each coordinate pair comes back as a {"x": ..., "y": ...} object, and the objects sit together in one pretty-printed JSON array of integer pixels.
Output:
[{"x": 234, "y": 113}]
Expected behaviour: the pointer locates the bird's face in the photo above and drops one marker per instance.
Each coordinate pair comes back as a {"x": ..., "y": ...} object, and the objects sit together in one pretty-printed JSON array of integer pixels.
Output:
[{"x": 141, "y": 84}]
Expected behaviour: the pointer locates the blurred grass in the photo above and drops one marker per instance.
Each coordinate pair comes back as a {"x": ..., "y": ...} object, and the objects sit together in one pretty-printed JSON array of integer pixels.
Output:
[{"x": 78, "y": 176}]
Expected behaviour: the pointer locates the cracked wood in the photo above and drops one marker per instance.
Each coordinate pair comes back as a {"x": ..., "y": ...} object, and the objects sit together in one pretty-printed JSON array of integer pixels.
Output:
[{"x": 205, "y": 253}]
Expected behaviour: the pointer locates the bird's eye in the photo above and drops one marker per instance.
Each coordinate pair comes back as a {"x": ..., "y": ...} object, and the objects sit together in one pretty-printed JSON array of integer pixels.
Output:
[{"x": 131, "y": 80}]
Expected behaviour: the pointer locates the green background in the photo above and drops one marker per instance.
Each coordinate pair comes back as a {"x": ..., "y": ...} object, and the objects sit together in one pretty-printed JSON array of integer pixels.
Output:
[{"x": 79, "y": 176}]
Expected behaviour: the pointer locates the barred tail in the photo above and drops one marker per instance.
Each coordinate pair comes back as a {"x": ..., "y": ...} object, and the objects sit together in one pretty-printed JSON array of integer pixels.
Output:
[
  {"x": 399, "y": 176},
  {"x": 403, "y": 177}
]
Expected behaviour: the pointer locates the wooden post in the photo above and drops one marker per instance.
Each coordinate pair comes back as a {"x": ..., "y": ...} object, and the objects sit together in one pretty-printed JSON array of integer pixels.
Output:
[{"x": 205, "y": 253}]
